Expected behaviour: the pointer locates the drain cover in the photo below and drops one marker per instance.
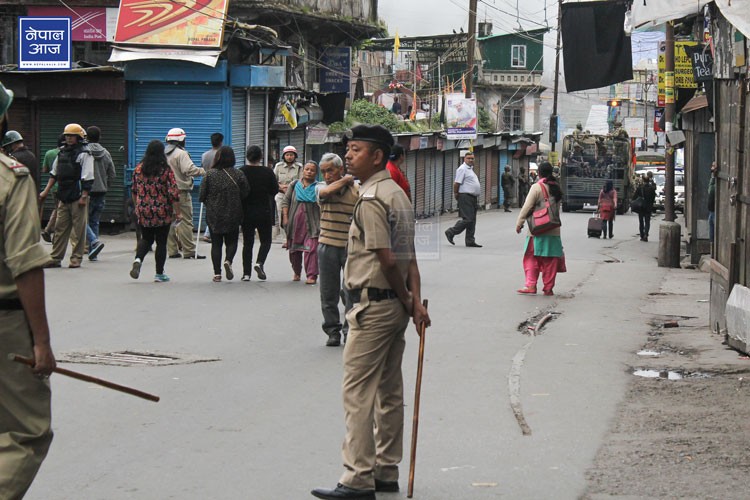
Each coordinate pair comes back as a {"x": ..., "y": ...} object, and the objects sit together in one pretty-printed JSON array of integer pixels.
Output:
[{"x": 131, "y": 358}]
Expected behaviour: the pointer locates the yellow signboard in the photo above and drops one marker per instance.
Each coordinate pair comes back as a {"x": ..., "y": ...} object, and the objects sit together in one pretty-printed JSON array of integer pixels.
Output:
[{"x": 683, "y": 68}]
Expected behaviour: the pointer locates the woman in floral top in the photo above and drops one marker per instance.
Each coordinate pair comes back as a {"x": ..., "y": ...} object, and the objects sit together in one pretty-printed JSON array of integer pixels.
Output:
[{"x": 156, "y": 199}]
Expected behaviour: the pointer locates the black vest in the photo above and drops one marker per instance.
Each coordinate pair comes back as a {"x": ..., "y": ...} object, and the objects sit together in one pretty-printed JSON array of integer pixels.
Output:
[{"x": 68, "y": 174}]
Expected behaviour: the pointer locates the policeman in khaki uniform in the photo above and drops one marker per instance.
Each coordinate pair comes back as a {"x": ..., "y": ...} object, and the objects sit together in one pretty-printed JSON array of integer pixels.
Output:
[
  {"x": 181, "y": 236},
  {"x": 25, "y": 433},
  {"x": 382, "y": 279}
]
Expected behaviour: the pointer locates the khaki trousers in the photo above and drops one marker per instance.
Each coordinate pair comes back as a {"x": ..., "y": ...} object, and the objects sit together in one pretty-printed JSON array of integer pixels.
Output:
[
  {"x": 278, "y": 229},
  {"x": 181, "y": 237},
  {"x": 72, "y": 220},
  {"x": 25, "y": 415},
  {"x": 373, "y": 392}
]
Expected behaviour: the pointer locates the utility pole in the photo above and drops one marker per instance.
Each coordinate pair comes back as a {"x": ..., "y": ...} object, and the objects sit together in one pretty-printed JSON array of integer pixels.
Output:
[
  {"x": 470, "y": 44},
  {"x": 669, "y": 230},
  {"x": 553, "y": 119}
]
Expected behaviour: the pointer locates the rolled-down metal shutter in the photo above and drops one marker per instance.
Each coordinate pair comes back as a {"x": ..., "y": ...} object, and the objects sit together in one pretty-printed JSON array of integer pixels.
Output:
[
  {"x": 239, "y": 124},
  {"x": 431, "y": 183},
  {"x": 112, "y": 118},
  {"x": 419, "y": 185},
  {"x": 256, "y": 121},
  {"x": 450, "y": 159},
  {"x": 199, "y": 109},
  {"x": 411, "y": 175}
]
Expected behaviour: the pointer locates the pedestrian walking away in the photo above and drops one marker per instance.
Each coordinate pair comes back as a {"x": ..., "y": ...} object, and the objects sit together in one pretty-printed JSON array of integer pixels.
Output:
[
  {"x": 383, "y": 282},
  {"x": 506, "y": 181},
  {"x": 181, "y": 235},
  {"x": 25, "y": 405},
  {"x": 104, "y": 174},
  {"x": 222, "y": 191},
  {"x": 337, "y": 198},
  {"x": 466, "y": 190},
  {"x": 286, "y": 171},
  {"x": 606, "y": 206},
  {"x": 207, "y": 162},
  {"x": 300, "y": 215},
  {"x": 543, "y": 253},
  {"x": 258, "y": 208},
  {"x": 647, "y": 192},
  {"x": 156, "y": 201},
  {"x": 73, "y": 172}
]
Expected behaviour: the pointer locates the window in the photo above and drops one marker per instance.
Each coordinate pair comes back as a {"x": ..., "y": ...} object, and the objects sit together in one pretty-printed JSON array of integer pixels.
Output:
[
  {"x": 502, "y": 78},
  {"x": 494, "y": 78},
  {"x": 518, "y": 56},
  {"x": 512, "y": 119}
]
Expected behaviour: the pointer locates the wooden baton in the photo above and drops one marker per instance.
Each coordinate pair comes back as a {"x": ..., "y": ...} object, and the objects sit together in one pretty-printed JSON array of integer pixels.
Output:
[
  {"x": 89, "y": 378},
  {"x": 415, "y": 419}
]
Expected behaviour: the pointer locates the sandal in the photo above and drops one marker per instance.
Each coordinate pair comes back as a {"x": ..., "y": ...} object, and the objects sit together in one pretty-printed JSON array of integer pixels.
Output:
[
  {"x": 296, "y": 277},
  {"x": 217, "y": 278},
  {"x": 311, "y": 281},
  {"x": 527, "y": 290}
]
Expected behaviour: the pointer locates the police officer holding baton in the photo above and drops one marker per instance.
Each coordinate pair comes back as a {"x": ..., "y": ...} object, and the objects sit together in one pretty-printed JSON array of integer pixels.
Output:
[
  {"x": 25, "y": 433},
  {"x": 383, "y": 283}
]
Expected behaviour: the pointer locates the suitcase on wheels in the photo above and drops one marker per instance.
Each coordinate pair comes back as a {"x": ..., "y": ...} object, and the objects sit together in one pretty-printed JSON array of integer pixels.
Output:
[{"x": 595, "y": 226}]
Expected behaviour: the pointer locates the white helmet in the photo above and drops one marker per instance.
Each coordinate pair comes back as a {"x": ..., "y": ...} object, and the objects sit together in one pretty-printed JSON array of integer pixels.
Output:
[
  {"x": 289, "y": 149},
  {"x": 175, "y": 134}
]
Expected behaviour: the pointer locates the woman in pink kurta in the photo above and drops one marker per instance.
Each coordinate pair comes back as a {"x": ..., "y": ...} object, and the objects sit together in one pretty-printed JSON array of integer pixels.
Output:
[{"x": 607, "y": 205}]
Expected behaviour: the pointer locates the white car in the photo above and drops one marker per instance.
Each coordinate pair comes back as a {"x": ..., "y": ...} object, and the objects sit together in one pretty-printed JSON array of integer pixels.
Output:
[{"x": 679, "y": 191}]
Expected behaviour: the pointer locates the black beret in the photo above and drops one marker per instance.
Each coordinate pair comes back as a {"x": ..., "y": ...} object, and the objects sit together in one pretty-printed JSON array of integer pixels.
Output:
[{"x": 369, "y": 133}]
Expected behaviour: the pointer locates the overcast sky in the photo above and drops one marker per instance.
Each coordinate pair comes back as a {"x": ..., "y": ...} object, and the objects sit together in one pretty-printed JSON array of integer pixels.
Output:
[{"x": 432, "y": 17}]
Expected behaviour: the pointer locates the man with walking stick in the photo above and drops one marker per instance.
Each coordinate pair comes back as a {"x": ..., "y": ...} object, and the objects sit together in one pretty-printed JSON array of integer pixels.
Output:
[
  {"x": 25, "y": 433},
  {"x": 383, "y": 282}
]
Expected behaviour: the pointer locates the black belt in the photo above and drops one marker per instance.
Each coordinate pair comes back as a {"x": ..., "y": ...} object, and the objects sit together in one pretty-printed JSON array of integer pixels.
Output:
[
  {"x": 10, "y": 305},
  {"x": 374, "y": 294}
]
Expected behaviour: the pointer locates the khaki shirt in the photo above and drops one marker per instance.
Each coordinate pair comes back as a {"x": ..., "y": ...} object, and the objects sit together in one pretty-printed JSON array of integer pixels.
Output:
[
  {"x": 183, "y": 167},
  {"x": 383, "y": 218},
  {"x": 20, "y": 249},
  {"x": 286, "y": 174}
]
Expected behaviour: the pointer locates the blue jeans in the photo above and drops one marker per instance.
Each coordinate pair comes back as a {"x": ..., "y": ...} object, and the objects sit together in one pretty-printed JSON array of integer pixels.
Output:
[{"x": 96, "y": 206}]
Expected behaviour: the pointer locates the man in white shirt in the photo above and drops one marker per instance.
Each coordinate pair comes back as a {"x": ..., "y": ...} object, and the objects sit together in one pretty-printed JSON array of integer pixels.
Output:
[{"x": 466, "y": 189}]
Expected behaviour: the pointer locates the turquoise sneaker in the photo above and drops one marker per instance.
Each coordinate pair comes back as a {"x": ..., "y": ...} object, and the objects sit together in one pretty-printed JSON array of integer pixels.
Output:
[{"x": 161, "y": 278}]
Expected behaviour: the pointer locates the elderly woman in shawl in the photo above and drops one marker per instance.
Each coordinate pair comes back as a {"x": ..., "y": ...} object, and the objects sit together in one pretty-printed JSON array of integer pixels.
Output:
[{"x": 300, "y": 215}]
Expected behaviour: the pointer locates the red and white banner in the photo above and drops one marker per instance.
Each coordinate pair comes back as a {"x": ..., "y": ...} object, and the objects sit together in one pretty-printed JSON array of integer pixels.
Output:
[{"x": 191, "y": 23}]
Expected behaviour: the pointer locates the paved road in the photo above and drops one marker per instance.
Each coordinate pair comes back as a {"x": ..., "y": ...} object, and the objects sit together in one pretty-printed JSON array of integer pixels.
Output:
[{"x": 265, "y": 421}]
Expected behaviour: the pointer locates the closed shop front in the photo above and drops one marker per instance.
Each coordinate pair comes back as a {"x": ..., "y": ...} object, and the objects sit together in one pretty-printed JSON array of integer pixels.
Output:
[
  {"x": 419, "y": 186},
  {"x": 257, "y": 122},
  {"x": 432, "y": 178},
  {"x": 239, "y": 125},
  {"x": 198, "y": 108},
  {"x": 112, "y": 118}
]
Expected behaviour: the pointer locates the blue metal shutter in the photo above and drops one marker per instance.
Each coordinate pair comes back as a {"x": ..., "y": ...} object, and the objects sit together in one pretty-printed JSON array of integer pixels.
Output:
[
  {"x": 199, "y": 109},
  {"x": 239, "y": 124}
]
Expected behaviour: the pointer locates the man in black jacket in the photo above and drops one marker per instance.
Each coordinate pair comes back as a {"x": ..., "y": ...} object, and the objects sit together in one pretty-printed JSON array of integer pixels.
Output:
[{"x": 646, "y": 191}]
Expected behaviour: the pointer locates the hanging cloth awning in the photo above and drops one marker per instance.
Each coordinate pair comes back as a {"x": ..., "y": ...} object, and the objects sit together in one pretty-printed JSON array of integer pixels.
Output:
[{"x": 203, "y": 56}]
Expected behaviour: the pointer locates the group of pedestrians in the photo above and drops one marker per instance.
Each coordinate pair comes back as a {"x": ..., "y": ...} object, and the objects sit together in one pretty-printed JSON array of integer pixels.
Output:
[{"x": 81, "y": 170}]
